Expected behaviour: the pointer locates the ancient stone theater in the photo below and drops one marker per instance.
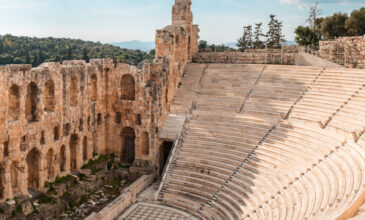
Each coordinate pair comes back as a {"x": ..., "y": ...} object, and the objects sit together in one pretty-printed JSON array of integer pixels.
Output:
[{"x": 219, "y": 136}]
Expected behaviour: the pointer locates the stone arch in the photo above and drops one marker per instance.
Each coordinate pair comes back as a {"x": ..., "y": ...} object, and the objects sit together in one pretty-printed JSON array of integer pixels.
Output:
[
  {"x": 128, "y": 145},
  {"x": 31, "y": 102},
  {"x": 14, "y": 177},
  {"x": 50, "y": 169},
  {"x": 85, "y": 152},
  {"x": 74, "y": 142},
  {"x": 93, "y": 88},
  {"x": 74, "y": 90},
  {"x": 14, "y": 102},
  {"x": 34, "y": 167},
  {"x": 145, "y": 144},
  {"x": 128, "y": 87},
  {"x": 62, "y": 161},
  {"x": 49, "y": 96}
]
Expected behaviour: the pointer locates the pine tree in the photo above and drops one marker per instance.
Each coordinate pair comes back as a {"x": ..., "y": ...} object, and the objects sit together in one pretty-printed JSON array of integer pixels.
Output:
[
  {"x": 85, "y": 56},
  {"x": 274, "y": 34},
  {"x": 258, "y": 44},
  {"x": 245, "y": 42}
]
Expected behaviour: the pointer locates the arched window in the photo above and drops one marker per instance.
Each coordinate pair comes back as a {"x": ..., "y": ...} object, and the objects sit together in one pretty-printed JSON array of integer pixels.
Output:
[
  {"x": 145, "y": 144},
  {"x": 74, "y": 91},
  {"x": 62, "y": 161},
  {"x": 50, "y": 170},
  {"x": 128, "y": 145},
  {"x": 49, "y": 96},
  {"x": 128, "y": 87},
  {"x": 34, "y": 166},
  {"x": 14, "y": 102},
  {"x": 74, "y": 142},
  {"x": 31, "y": 102},
  {"x": 85, "y": 150},
  {"x": 14, "y": 177},
  {"x": 93, "y": 88}
]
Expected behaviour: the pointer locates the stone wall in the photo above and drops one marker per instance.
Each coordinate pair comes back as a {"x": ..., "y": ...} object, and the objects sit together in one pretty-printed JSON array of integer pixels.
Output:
[
  {"x": 258, "y": 56},
  {"x": 125, "y": 200},
  {"x": 348, "y": 51},
  {"x": 55, "y": 117}
]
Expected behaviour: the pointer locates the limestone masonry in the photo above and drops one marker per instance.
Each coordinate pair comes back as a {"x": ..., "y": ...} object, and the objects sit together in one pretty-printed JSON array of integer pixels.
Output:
[
  {"x": 344, "y": 50},
  {"x": 55, "y": 117},
  {"x": 230, "y": 136}
]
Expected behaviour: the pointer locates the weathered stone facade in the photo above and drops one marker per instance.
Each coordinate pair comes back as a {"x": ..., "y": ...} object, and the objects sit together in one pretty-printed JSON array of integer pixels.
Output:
[
  {"x": 344, "y": 50},
  {"x": 55, "y": 117},
  {"x": 251, "y": 56}
]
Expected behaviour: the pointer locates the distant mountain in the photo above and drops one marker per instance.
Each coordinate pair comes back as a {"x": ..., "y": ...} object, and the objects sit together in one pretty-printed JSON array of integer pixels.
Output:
[
  {"x": 231, "y": 45},
  {"x": 135, "y": 45}
]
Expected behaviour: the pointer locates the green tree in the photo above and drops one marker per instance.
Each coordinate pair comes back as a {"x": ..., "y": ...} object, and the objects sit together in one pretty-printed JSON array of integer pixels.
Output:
[
  {"x": 203, "y": 45},
  {"x": 258, "y": 43},
  {"x": 334, "y": 26},
  {"x": 274, "y": 34},
  {"x": 245, "y": 42},
  {"x": 86, "y": 57},
  {"x": 305, "y": 36},
  {"x": 27, "y": 57},
  {"x": 69, "y": 53},
  {"x": 355, "y": 24}
]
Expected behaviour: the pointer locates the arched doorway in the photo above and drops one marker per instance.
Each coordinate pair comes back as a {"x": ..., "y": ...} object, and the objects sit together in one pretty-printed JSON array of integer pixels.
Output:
[
  {"x": 85, "y": 150},
  {"x": 128, "y": 145},
  {"x": 165, "y": 150},
  {"x": 14, "y": 177},
  {"x": 14, "y": 102},
  {"x": 128, "y": 87},
  {"x": 50, "y": 170},
  {"x": 73, "y": 150},
  {"x": 34, "y": 165},
  {"x": 49, "y": 96},
  {"x": 62, "y": 162},
  {"x": 31, "y": 102}
]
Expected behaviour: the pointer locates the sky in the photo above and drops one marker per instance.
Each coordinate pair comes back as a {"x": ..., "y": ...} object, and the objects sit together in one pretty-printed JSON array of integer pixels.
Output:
[{"x": 220, "y": 21}]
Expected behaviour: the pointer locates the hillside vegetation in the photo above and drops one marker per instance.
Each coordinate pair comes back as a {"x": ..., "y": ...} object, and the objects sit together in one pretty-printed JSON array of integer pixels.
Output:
[{"x": 32, "y": 50}]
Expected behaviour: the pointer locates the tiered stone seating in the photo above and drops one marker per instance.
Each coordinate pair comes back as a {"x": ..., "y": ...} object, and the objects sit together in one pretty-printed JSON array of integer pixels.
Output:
[
  {"x": 182, "y": 102},
  {"x": 351, "y": 117},
  {"x": 209, "y": 155},
  {"x": 334, "y": 89},
  {"x": 279, "y": 88},
  {"x": 246, "y": 165},
  {"x": 224, "y": 89}
]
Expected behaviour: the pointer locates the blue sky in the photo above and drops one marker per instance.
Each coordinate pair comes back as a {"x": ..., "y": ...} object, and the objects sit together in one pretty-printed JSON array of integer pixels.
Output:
[{"x": 122, "y": 20}]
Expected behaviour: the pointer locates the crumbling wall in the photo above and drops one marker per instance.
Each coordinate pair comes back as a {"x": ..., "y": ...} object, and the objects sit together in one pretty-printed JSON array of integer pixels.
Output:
[
  {"x": 252, "y": 56},
  {"x": 348, "y": 51},
  {"x": 55, "y": 117}
]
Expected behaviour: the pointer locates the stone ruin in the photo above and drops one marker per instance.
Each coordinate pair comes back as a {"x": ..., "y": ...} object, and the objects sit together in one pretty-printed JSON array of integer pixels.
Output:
[
  {"x": 239, "y": 141},
  {"x": 55, "y": 117},
  {"x": 347, "y": 51}
]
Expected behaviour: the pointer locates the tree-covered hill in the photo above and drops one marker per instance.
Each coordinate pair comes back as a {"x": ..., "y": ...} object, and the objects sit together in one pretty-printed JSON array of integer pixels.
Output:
[{"x": 32, "y": 50}]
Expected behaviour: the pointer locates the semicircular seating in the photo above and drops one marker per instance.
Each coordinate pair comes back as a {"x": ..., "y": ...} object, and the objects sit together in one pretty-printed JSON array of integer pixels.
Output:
[{"x": 230, "y": 165}]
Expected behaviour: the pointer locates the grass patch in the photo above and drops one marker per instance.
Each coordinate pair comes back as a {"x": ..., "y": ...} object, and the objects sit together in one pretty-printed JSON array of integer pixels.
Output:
[{"x": 45, "y": 200}]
